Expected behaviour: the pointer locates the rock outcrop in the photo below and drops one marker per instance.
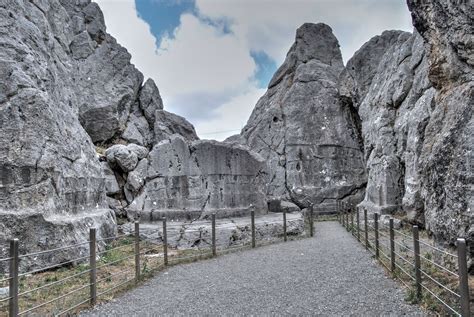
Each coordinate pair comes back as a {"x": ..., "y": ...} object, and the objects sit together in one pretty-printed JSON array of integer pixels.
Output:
[
  {"x": 182, "y": 180},
  {"x": 52, "y": 188},
  {"x": 309, "y": 138},
  {"x": 414, "y": 95}
]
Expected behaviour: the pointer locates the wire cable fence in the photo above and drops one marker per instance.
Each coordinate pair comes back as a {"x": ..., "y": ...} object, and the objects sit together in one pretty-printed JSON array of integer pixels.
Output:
[
  {"x": 103, "y": 267},
  {"x": 435, "y": 277}
]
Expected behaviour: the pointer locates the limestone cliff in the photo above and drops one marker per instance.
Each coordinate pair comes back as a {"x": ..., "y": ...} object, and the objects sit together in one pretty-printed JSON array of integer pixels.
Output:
[
  {"x": 414, "y": 94},
  {"x": 308, "y": 137}
]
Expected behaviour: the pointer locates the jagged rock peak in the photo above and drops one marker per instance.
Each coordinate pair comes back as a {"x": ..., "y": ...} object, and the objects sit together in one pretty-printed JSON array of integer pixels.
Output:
[
  {"x": 313, "y": 42},
  {"x": 316, "y": 41}
]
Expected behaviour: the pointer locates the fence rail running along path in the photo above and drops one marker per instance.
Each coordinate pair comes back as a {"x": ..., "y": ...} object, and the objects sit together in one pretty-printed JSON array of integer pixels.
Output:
[
  {"x": 93, "y": 282},
  {"x": 423, "y": 273}
]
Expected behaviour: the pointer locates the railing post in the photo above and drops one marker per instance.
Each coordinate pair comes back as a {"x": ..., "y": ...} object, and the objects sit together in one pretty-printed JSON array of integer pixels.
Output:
[
  {"x": 93, "y": 265},
  {"x": 213, "y": 233},
  {"x": 347, "y": 217},
  {"x": 137, "y": 251},
  {"x": 463, "y": 278},
  {"x": 416, "y": 249},
  {"x": 341, "y": 212},
  {"x": 252, "y": 223},
  {"x": 376, "y": 227},
  {"x": 392, "y": 246},
  {"x": 352, "y": 221},
  {"x": 366, "y": 233},
  {"x": 311, "y": 221},
  {"x": 165, "y": 243},
  {"x": 358, "y": 223},
  {"x": 284, "y": 225},
  {"x": 13, "y": 275}
]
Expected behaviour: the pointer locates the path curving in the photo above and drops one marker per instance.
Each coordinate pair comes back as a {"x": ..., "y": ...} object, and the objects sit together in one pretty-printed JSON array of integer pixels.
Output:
[{"x": 330, "y": 274}]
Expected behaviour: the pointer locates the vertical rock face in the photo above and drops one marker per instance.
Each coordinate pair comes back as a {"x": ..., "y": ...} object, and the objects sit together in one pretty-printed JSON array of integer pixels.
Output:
[
  {"x": 446, "y": 163},
  {"x": 414, "y": 95},
  {"x": 189, "y": 181},
  {"x": 65, "y": 85},
  {"x": 52, "y": 188},
  {"x": 387, "y": 82},
  {"x": 307, "y": 135}
]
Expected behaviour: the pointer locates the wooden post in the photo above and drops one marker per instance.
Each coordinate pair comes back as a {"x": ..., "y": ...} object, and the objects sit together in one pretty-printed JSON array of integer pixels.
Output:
[
  {"x": 365, "y": 230},
  {"x": 137, "y": 251},
  {"x": 165, "y": 243},
  {"x": 392, "y": 246},
  {"x": 352, "y": 220},
  {"x": 376, "y": 227},
  {"x": 358, "y": 223},
  {"x": 214, "y": 248},
  {"x": 416, "y": 248},
  {"x": 463, "y": 278},
  {"x": 252, "y": 222},
  {"x": 13, "y": 275},
  {"x": 93, "y": 265},
  {"x": 311, "y": 221},
  {"x": 284, "y": 226}
]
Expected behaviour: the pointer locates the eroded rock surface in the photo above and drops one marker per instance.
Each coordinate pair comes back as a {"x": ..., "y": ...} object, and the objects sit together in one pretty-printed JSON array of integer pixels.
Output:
[
  {"x": 230, "y": 232},
  {"x": 191, "y": 180},
  {"x": 52, "y": 188},
  {"x": 414, "y": 95},
  {"x": 308, "y": 137}
]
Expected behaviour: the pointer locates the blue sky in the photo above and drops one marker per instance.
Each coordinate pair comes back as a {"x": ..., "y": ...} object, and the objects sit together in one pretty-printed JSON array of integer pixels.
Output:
[{"x": 213, "y": 59}]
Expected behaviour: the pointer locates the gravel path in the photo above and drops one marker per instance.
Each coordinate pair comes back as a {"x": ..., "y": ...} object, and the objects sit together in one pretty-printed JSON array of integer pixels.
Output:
[{"x": 330, "y": 274}]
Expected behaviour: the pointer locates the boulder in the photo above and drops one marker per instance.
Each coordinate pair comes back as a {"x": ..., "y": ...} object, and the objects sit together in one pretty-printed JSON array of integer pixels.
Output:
[
  {"x": 121, "y": 156},
  {"x": 167, "y": 123}
]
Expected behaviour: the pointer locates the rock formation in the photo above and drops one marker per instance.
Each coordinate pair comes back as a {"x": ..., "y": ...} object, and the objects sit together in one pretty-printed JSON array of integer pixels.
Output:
[
  {"x": 309, "y": 138},
  {"x": 69, "y": 92}
]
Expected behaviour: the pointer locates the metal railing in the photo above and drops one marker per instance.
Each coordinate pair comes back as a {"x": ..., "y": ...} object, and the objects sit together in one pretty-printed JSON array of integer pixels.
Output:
[
  {"x": 95, "y": 281},
  {"x": 401, "y": 254}
]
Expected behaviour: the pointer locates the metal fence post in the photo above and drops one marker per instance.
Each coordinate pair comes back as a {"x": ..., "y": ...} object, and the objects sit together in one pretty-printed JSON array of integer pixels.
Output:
[
  {"x": 376, "y": 227},
  {"x": 13, "y": 275},
  {"x": 93, "y": 265},
  {"x": 213, "y": 233},
  {"x": 416, "y": 248},
  {"x": 284, "y": 225},
  {"x": 358, "y": 223},
  {"x": 365, "y": 230},
  {"x": 392, "y": 246},
  {"x": 463, "y": 278},
  {"x": 252, "y": 223},
  {"x": 165, "y": 243},
  {"x": 137, "y": 251},
  {"x": 311, "y": 221},
  {"x": 341, "y": 212}
]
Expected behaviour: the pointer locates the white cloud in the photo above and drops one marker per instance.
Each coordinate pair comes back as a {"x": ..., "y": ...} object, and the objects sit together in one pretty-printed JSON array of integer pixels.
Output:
[
  {"x": 206, "y": 75},
  {"x": 231, "y": 116},
  {"x": 200, "y": 59},
  {"x": 270, "y": 25}
]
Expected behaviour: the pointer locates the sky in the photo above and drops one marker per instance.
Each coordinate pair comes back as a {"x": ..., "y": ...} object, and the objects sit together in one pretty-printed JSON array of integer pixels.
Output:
[{"x": 212, "y": 59}]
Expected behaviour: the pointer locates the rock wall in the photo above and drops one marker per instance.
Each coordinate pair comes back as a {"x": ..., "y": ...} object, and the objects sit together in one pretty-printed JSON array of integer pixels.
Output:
[
  {"x": 51, "y": 186},
  {"x": 414, "y": 94},
  {"x": 307, "y": 135},
  {"x": 182, "y": 180}
]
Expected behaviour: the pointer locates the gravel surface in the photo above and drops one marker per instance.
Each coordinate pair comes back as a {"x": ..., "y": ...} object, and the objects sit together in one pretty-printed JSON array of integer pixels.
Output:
[{"x": 330, "y": 274}]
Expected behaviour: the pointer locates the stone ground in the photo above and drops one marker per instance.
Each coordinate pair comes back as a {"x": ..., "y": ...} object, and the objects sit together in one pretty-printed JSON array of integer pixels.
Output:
[{"x": 330, "y": 274}]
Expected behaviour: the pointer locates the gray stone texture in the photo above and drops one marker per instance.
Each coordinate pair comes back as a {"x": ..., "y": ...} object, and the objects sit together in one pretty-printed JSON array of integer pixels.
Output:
[
  {"x": 52, "y": 187},
  {"x": 447, "y": 155},
  {"x": 307, "y": 135},
  {"x": 191, "y": 180},
  {"x": 414, "y": 96}
]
